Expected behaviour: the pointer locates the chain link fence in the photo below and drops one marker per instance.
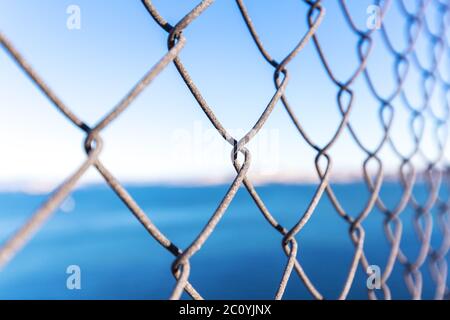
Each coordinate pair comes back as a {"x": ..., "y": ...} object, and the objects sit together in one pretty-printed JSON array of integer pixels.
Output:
[{"x": 430, "y": 216}]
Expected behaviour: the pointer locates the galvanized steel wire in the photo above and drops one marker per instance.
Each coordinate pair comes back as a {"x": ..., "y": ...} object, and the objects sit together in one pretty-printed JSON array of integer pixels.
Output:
[{"x": 430, "y": 215}]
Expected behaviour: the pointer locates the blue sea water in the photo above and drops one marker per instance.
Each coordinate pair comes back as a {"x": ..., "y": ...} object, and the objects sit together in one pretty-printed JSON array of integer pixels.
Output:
[{"x": 242, "y": 259}]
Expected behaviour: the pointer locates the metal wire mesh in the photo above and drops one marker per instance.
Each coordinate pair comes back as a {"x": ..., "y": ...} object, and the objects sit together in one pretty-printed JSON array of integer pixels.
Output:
[{"x": 433, "y": 76}]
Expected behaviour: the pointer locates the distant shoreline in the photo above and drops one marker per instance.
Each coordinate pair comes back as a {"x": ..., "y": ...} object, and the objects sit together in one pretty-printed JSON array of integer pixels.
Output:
[{"x": 42, "y": 189}]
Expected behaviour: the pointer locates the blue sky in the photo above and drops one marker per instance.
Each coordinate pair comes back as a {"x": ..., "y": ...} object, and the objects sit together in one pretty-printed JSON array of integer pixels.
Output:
[{"x": 164, "y": 136}]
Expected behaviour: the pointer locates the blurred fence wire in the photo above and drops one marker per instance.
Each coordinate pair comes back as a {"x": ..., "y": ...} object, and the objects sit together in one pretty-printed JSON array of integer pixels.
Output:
[{"x": 434, "y": 77}]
